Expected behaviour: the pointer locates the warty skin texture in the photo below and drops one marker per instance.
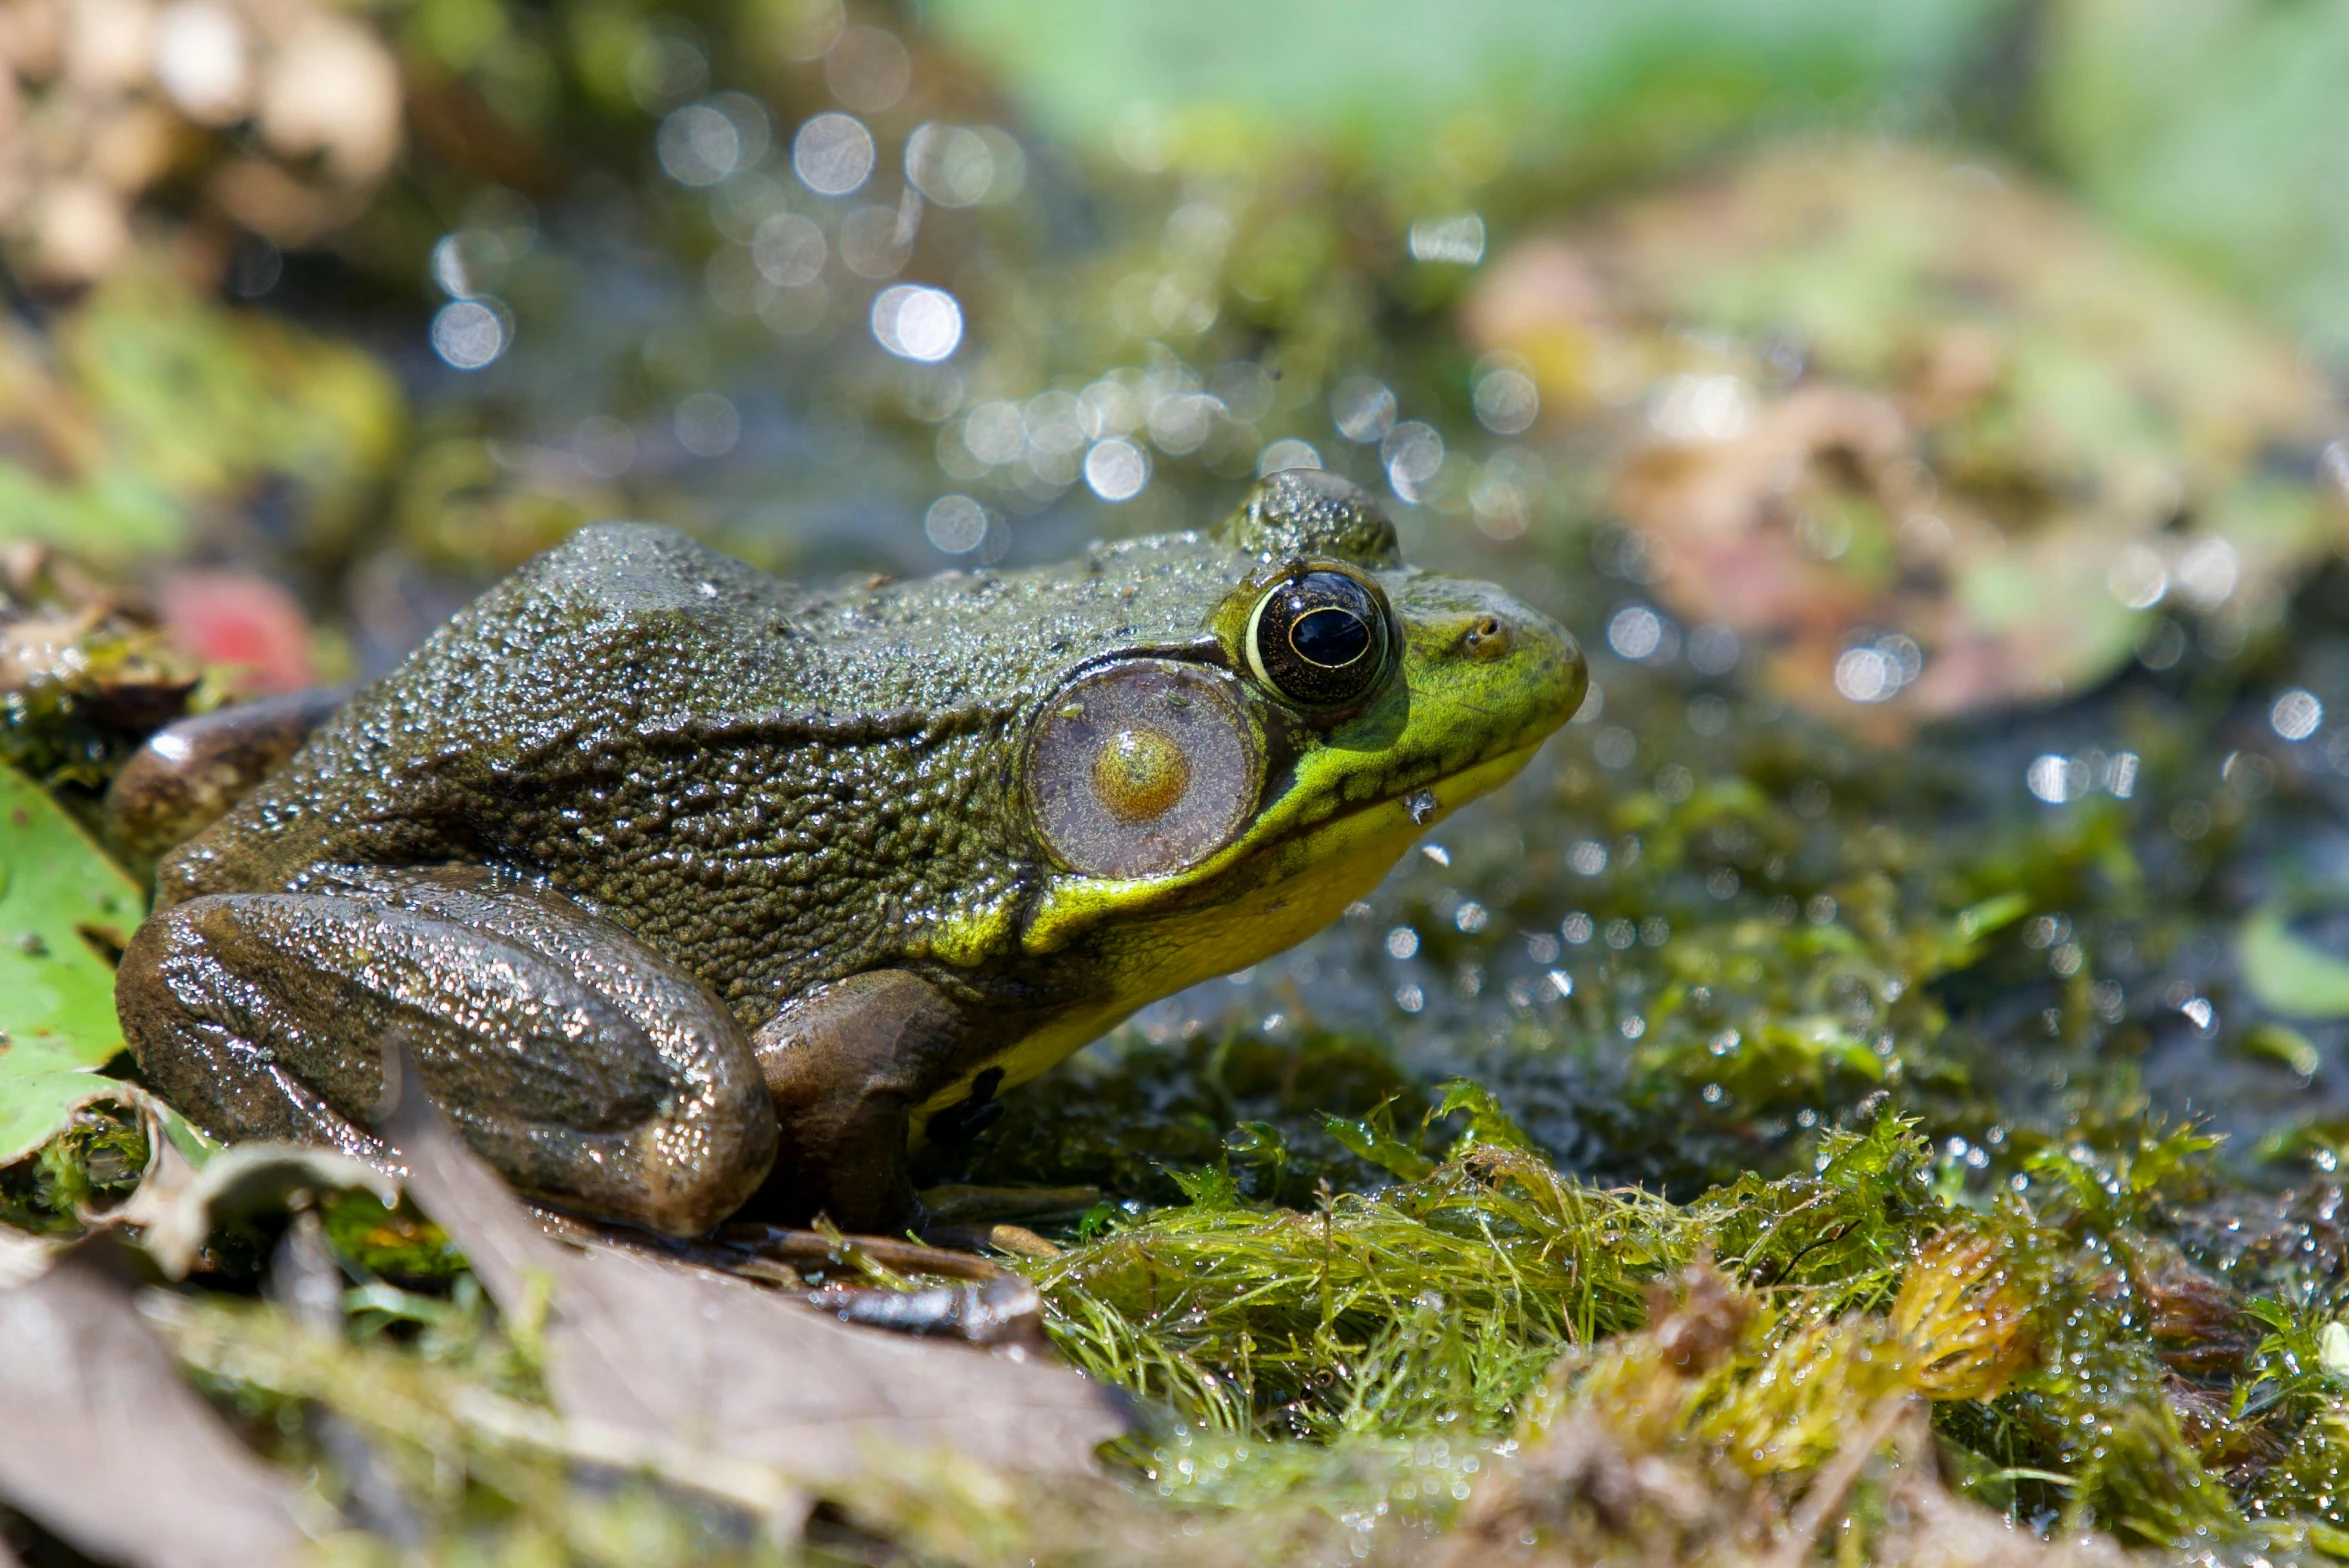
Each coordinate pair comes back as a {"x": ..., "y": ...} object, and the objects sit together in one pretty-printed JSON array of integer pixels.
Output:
[{"x": 776, "y": 788}]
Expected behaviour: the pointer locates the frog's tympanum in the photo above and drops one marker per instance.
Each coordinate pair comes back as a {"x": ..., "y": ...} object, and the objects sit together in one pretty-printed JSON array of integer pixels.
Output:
[{"x": 691, "y": 888}]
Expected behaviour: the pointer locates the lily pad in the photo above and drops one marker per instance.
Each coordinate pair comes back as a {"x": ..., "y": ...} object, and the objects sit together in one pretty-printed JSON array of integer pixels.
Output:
[{"x": 64, "y": 910}]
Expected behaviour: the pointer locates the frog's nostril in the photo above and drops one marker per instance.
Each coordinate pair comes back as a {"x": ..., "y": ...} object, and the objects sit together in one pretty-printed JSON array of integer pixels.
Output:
[{"x": 1488, "y": 638}]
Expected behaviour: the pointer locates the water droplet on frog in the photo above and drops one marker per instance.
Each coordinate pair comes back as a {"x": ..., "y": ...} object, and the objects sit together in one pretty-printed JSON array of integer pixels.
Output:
[{"x": 1421, "y": 803}]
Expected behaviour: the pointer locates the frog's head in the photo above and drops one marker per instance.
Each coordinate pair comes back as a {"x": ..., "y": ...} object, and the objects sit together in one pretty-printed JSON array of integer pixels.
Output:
[{"x": 1209, "y": 803}]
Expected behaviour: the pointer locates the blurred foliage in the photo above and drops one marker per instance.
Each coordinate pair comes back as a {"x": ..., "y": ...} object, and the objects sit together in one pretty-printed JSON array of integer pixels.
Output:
[
  {"x": 1459, "y": 94},
  {"x": 1918, "y": 432},
  {"x": 2213, "y": 130},
  {"x": 274, "y": 116},
  {"x": 152, "y": 415}
]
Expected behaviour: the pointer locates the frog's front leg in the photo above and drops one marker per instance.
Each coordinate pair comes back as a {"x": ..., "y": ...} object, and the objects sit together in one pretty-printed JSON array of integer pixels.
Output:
[
  {"x": 594, "y": 1072},
  {"x": 847, "y": 1065}
]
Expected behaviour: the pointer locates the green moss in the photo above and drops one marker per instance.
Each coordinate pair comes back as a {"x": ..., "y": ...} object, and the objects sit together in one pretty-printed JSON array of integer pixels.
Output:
[
  {"x": 95, "y": 1163},
  {"x": 398, "y": 1243}
]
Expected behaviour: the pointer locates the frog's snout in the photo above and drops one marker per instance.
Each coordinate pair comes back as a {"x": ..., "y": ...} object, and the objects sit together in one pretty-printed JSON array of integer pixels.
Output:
[{"x": 1502, "y": 660}]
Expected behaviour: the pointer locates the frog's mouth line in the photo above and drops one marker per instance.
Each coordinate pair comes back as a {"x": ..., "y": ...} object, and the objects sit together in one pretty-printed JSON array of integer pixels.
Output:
[
  {"x": 1298, "y": 854},
  {"x": 1422, "y": 805},
  {"x": 1314, "y": 871}
]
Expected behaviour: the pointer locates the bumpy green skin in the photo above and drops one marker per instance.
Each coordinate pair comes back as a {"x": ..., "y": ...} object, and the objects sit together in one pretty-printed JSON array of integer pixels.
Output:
[{"x": 775, "y": 788}]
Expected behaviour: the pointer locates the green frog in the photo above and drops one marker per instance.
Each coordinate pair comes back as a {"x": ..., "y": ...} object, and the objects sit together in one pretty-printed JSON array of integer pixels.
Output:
[{"x": 693, "y": 890}]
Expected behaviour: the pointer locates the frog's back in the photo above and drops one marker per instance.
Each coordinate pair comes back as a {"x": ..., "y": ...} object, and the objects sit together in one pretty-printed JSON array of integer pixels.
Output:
[
  {"x": 775, "y": 786},
  {"x": 653, "y": 726},
  {"x": 557, "y": 659}
]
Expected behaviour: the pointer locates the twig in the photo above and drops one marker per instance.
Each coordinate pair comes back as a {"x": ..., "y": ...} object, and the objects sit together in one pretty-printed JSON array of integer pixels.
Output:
[{"x": 1835, "y": 1483}]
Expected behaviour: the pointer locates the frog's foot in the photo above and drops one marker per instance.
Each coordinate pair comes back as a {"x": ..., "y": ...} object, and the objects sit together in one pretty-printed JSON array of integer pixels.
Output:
[{"x": 593, "y": 1072}]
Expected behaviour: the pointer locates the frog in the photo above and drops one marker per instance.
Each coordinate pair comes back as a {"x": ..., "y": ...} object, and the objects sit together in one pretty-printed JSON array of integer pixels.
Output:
[{"x": 693, "y": 893}]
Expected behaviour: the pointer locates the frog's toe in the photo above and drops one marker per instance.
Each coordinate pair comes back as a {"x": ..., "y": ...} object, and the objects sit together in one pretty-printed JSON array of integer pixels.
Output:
[{"x": 968, "y": 1206}]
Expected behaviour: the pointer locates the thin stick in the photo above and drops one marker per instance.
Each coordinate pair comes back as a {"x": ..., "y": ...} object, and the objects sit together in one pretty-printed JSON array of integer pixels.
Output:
[{"x": 1835, "y": 1483}]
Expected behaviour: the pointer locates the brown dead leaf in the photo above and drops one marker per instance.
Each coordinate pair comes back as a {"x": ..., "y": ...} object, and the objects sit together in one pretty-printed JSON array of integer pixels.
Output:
[
  {"x": 105, "y": 1447},
  {"x": 659, "y": 1347}
]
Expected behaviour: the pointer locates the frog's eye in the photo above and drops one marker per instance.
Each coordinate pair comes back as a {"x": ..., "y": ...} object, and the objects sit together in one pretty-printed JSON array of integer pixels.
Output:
[
  {"x": 1319, "y": 639},
  {"x": 1142, "y": 767}
]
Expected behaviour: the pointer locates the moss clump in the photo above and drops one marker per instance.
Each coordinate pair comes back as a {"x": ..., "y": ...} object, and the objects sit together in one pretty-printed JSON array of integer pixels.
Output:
[
  {"x": 92, "y": 1165},
  {"x": 2082, "y": 1369}
]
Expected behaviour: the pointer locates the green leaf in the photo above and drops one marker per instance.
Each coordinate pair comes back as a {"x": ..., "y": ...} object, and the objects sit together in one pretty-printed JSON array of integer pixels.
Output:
[
  {"x": 2284, "y": 1045},
  {"x": 1488, "y": 1124},
  {"x": 1208, "y": 1189},
  {"x": 64, "y": 909},
  {"x": 2289, "y": 975},
  {"x": 1380, "y": 1147},
  {"x": 1972, "y": 924}
]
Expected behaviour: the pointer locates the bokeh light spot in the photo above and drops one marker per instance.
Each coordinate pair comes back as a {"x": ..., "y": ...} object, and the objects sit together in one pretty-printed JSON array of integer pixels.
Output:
[
  {"x": 952, "y": 165},
  {"x": 2056, "y": 779},
  {"x": 2137, "y": 578},
  {"x": 1363, "y": 409},
  {"x": 697, "y": 145},
  {"x": 1412, "y": 453},
  {"x": 1865, "y": 675},
  {"x": 1456, "y": 240},
  {"x": 469, "y": 335},
  {"x": 1285, "y": 454},
  {"x": 707, "y": 424},
  {"x": 956, "y": 524},
  {"x": 789, "y": 250},
  {"x": 1117, "y": 469},
  {"x": 994, "y": 432},
  {"x": 914, "y": 321},
  {"x": 1507, "y": 401},
  {"x": 604, "y": 446},
  {"x": 868, "y": 69},
  {"x": 1635, "y": 632},
  {"x": 2296, "y": 715},
  {"x": 832, "y": 154}
]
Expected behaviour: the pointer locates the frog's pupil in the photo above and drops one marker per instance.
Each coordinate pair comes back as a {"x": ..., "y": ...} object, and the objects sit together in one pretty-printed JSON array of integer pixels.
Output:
[{"x": 1330, "y": 637}]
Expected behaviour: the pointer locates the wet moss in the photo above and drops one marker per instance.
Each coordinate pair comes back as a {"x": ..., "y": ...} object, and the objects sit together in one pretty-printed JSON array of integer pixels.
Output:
[{"x": 93, "y": 1165}]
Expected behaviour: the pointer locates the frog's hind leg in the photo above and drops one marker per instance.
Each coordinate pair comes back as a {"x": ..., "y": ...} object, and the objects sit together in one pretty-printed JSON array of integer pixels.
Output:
[{"x": 595, "y": 1073}]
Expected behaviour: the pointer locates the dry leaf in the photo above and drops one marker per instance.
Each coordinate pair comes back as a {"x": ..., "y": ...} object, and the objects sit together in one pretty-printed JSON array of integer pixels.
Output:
[
  {"x": 179, "y": 1206},
  {"x": 106, "y": 1448},
  {"x": 667, "y": 1350}
]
